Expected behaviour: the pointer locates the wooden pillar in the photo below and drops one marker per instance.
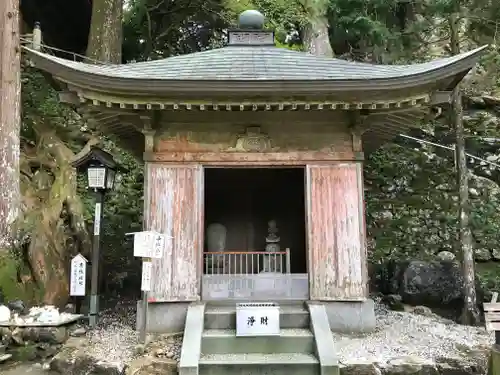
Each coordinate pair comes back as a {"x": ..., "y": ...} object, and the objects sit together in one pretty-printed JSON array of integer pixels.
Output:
[
  {"x": 336, "y": 234},
  {"x": 174, "y": 206}
]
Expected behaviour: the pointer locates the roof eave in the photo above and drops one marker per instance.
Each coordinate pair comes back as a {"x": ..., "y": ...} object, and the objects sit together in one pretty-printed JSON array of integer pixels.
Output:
[{"x": 103, "y": 83}]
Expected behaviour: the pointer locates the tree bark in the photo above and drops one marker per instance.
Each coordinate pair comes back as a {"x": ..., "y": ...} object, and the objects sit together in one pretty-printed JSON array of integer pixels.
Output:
[
  {"x": 470, "y": 313},
  {"x": 316, "y": 38},
  {"x": 105, "y": 38},
  {"x": 10, "y": 121}
]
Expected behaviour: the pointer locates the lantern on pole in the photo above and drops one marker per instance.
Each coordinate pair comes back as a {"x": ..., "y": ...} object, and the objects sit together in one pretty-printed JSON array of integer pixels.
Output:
[{"x": 101, "y": 170}]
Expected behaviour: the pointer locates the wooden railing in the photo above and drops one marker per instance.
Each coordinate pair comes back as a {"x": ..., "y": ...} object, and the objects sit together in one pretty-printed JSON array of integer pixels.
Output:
[{"x": 245, "y": 262}]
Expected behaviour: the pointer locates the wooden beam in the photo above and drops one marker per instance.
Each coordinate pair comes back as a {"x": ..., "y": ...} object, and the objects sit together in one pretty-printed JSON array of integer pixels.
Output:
[
  {"x": 253, "y": 158},
  {"x": 69, "y": 97},
  {"x": 441, "y": 97}
]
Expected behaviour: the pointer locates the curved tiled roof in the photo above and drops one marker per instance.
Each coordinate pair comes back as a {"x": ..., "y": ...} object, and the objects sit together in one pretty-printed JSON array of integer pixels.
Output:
[{"x": 257, "y": 63}]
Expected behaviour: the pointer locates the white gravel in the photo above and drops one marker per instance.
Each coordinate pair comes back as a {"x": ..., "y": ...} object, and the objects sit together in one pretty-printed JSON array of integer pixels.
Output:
[
  {"x": 401, "y": 334},
  {"x": 115, "y": 338}
]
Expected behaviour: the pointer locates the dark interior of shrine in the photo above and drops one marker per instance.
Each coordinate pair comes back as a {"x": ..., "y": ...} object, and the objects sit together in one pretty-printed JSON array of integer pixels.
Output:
[{"x": 245, "y": 199}]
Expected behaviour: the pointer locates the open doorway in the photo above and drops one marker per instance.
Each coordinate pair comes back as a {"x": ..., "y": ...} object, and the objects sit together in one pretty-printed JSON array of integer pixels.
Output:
[{"x": 244, "y": 200}]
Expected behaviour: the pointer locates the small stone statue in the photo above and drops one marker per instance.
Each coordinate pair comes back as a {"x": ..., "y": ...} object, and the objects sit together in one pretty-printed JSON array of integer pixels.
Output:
[
  {"x": 272, "y": 231},
  {"x": 272, "y": 246}
]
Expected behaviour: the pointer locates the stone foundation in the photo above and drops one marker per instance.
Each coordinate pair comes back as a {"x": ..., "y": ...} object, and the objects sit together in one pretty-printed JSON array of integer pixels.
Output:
[
  {"x": 164, "y": 317},
  {"x": 170, "y": 317},
  {"x": 351, "y": 316}
]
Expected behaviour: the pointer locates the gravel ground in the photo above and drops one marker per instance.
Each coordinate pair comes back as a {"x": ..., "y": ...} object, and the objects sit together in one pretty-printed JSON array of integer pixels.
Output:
[
  {"x": 402, "y": 334},
  {"x": 114, "y": 339},
  {"x": 398, "y": 334}
]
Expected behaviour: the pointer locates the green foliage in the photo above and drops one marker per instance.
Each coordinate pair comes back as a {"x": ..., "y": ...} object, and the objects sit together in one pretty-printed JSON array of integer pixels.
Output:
[
  {"x": 154, "y": 28},
  {"x": 9, "y": 285}
]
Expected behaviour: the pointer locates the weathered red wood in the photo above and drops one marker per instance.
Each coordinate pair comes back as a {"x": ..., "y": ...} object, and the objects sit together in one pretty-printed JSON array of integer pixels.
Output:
[
  {"x": 174, "y": 206},
  {"x": 336, "y": 246},
  {"x": 261, "y": 158}
]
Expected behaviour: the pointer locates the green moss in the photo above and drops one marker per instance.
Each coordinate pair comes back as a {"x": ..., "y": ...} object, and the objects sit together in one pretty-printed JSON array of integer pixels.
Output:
[
  {"x": 9, "y": 284},
  {"x": 26, "y": 353},
  {"x": 488, "y": 275}
]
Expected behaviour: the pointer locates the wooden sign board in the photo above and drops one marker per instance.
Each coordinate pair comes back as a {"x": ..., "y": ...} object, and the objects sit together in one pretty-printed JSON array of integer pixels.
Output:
[
  {"x": 257, "y": 319},
  {"x": 149, "y": 244},
  {"x": 78, "y": 276},
  {"x": 147, "y": 268}
]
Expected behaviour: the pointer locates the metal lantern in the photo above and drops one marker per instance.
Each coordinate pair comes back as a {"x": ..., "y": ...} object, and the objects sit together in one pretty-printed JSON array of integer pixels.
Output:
[{"x": 100, "y": 168}]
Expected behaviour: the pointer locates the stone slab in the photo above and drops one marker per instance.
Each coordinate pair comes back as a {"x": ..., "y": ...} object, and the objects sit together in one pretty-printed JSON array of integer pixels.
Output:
[
  {"x": 67, "y": 320},
  {"x": 191, "y": 343},
  {"x": 325, "y": 346}
]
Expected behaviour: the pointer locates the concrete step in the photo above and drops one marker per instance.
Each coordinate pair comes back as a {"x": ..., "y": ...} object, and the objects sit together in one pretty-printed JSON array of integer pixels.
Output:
[
  {"x": 291, "y": 340},
  {"x": 264, "y": 364},
  {"x": 224, "y": 317}
]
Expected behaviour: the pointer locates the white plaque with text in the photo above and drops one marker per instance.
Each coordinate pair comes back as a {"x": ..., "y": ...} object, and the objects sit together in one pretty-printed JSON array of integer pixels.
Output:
[
  {"x": 149, "y": 244},
  {"x": 78, "y": 276},
  {"x": 257, "y": 319},
  {"x": 147, "y": 268}
]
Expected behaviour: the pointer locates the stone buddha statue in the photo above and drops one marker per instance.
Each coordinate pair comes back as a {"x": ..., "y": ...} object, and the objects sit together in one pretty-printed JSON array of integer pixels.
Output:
[{"x": 216, "y": 242}]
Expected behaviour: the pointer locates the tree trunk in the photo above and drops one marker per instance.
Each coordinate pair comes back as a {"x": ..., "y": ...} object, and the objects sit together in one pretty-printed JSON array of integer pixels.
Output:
[
  {"x": 105, "y": 38},
  {"x": 470, "y": 313},
  {"x": 316, "y": 38},
  {"x": 49, "y": 250},
  {"x": 10, "y": 98}
]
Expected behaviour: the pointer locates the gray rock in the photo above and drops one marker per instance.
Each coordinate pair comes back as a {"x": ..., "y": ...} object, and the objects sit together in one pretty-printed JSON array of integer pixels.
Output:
[
  {"x": 431, "y": 283},
  {"x": 410, "y": 365},
  {"x": 78, "y": 332},
  {"x": 17, "y": 306},
  {"x": 446, "y": 256},
  {"x": 17, "y": 336},
  {"x": 53, "y": 335},
  {"x": 491, "y": 100},
  {"x": 69, "y": 363},
  {"x": 394, "y": 302},
  {"x": 153, "y": 366},
  {"x": 482, "y": 254},
  {"x": 452, "y": 366},
  {"x": 436, "y": 284},
  {"x": 5, "y": 357},
  {"x": 140, "y": 349},
  {"x": 423, "y": 310},
  {"x": 496, "y": 254},
  {"x": 360, "y": 368}
]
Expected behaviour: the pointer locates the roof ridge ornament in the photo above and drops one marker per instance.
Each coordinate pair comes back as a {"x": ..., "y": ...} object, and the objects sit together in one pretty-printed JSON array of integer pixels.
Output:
[{"x": 251, "y": 31}]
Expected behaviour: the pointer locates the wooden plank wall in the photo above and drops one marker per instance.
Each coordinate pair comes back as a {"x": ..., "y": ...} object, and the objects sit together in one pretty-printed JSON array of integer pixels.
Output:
[
  {"x": 336, "y": 243},
  {"x": 174, "y": 203}
]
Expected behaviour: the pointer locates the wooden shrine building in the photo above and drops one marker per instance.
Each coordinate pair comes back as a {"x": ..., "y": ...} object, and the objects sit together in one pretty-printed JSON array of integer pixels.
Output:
[{"x": 252, "y": 153}]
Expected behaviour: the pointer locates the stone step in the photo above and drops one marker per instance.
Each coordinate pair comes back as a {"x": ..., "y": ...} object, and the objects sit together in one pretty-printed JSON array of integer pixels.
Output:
[
  {"x": 5, "y": 357},
  {"x": 291, "y": 340},
  {"x": 224, "y": 317},
  {"x": 254, "y": 363}
]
